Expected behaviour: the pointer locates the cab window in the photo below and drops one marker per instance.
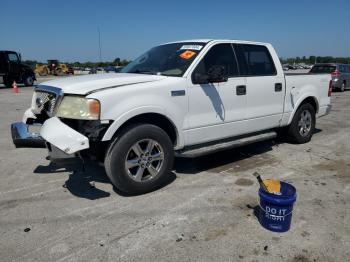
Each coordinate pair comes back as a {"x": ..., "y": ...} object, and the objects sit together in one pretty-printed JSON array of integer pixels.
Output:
[
  {"x": 13, "y": 57},
  {"x": 219, "y": 55}
]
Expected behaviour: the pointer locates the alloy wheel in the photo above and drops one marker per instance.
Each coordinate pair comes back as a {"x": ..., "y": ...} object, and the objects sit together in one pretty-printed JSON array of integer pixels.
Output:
[
  {"x": 144, "y": 160},
  {"x": 305, "y": 123}
]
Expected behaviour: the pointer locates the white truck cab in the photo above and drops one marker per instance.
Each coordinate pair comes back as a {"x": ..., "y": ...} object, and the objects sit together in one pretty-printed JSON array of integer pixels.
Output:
[{"x": 185, "y": 98}]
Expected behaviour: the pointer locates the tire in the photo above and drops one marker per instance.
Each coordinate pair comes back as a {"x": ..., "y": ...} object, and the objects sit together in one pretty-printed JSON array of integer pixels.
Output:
[
  {"x": 303, "y": 124},
  {"x": 8, "y": 82},
  {"x": 342, "y": 88},
  {"x": 145, "y": 173},
  {"x": 28, "y": 80},
  {"x": 43, "y": 72},
  {"x": 59, "y": 72}
]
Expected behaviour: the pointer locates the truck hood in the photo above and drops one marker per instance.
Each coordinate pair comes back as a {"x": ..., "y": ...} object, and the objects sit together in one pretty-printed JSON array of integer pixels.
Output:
[{"x": 82, "y": 85}]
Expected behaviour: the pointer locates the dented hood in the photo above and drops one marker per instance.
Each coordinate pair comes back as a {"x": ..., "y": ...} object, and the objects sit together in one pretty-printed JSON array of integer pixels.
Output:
[{"x": 86, "y": 84}]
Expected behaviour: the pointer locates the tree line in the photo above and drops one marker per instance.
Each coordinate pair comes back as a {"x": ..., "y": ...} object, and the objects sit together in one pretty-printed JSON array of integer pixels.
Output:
[
  {"x": 315, "y": 59},
  {"x": 115, "y": 62},
  {"x": 123, "y": 62}
]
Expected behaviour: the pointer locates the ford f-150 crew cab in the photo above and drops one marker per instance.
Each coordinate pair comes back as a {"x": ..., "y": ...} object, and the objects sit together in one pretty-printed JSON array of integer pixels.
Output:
[{"x": 185, "y": 98}]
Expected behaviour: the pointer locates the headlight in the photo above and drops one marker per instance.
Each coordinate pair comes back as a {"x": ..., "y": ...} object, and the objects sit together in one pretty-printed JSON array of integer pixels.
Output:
[{"x": 76, "y": 107}]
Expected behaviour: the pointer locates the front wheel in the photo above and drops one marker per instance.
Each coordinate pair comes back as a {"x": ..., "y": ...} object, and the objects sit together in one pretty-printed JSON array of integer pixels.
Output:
[
  {"x": 140, "y": 159},
  {"x": 28, "y": 80},
  {"x": 303, "y": 124}
]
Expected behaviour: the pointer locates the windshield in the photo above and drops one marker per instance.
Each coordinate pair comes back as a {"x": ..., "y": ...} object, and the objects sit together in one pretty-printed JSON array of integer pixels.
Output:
[
  {"x": 169, "y": 60},
  {"x": 327, "y": 69}
]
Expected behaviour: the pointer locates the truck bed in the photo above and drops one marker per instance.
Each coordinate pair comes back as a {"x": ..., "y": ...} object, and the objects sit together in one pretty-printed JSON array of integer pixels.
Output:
[{"x": 300, "y": 86}]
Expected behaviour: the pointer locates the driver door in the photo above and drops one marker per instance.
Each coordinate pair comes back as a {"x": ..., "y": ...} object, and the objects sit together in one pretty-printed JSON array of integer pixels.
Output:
[{"x": 216, "y": 110}]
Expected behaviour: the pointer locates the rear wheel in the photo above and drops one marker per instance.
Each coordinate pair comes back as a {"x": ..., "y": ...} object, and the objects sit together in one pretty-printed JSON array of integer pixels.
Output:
[
  {"x": 59, "y": 72},
  {"x": 303, "y": 124},
  {"x": 43, "y": 72},
  {"x": 342, "y": 88},
  {"x": 140, "y": 159},
  {"x": 28, "y": 80}
]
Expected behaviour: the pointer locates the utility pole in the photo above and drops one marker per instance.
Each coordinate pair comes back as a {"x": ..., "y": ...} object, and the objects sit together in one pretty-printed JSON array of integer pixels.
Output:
[{"x": 99, "y": 43}]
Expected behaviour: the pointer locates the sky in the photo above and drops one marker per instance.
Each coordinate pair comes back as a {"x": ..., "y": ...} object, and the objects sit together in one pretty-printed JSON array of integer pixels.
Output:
[{"x": 68, "y": 30}]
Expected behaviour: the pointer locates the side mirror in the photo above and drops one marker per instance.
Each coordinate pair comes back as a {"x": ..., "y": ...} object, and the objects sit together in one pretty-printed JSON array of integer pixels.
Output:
[
  {"x": 20, "y": 57},
  {"x": 217, "y": 74},
  {"x": 200, "y": 79}
]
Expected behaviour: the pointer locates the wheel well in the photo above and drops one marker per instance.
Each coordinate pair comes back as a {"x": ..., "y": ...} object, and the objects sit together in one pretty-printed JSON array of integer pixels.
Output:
[
  {"x": 154, "y": 119},
  {"x": 312, "y": 101}
]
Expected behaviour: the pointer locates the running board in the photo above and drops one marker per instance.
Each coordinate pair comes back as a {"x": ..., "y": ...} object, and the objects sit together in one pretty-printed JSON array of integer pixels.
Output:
[{"x": 213, "y": 148}]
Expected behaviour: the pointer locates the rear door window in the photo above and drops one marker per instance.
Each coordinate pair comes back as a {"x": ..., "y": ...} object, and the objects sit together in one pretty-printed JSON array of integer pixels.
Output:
[{"x": 255, "y": 60}]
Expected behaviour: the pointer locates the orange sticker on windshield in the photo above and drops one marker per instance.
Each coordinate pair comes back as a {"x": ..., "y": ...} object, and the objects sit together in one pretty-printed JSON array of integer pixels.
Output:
[{"x": 187, "y": 54}]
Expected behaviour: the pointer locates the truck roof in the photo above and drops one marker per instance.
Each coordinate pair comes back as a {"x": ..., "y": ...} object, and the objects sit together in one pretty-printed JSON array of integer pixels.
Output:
[
  {"x": 218, "y": 40},
  {"x": 7, "y": 51}
]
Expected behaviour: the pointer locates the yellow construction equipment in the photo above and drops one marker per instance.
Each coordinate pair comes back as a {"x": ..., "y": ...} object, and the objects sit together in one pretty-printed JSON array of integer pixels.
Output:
[{"x": 53, "y": 67}]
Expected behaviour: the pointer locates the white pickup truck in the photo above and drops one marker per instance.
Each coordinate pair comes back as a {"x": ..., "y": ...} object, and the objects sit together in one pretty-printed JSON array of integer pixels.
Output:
[{"x": 185, "y": 98}]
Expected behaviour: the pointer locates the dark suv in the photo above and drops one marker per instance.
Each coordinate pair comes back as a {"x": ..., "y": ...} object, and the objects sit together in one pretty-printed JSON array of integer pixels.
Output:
[
  {"x": 340, "y": 74},
  {"x": 11, "y": 69}
]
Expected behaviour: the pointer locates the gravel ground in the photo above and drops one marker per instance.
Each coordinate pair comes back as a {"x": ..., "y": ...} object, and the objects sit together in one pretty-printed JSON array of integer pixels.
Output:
[{"x": 204, "y": 213}]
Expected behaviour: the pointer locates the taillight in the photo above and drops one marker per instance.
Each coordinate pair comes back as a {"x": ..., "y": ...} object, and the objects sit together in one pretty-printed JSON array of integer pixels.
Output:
[
  {"x": 330, "y": 88},
  {"x": 335, "y": 73}
]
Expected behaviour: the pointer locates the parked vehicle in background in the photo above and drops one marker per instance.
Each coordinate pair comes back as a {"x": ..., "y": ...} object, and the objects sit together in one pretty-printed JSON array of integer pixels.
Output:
[
  {"x": 12, "y": 69},
  {"x": 109, "y": 69},
  {"x": 118, "y": 69},
  {"x": 340, "y": 74},
  {"x": 292, "y": 67},
  {"x": 186, "y": 98},
  {"x": 285, "y": 67},
  {"x": 96, "y": 70}
]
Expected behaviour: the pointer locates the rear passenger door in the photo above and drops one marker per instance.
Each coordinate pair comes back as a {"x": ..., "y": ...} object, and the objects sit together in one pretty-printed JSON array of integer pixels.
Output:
[{"x": 265, "y": 87}]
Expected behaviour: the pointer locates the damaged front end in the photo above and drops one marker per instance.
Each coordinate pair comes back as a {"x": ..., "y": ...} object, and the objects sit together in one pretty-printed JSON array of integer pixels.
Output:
[{"x": 63, "y": 137}]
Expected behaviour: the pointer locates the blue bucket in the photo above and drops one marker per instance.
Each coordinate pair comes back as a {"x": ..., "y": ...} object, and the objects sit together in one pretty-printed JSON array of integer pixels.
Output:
[{"x": 275, "y": 212}]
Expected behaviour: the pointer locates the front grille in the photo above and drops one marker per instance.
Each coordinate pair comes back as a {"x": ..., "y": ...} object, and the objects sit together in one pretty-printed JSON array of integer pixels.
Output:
[{"x": 45, "y": 102}]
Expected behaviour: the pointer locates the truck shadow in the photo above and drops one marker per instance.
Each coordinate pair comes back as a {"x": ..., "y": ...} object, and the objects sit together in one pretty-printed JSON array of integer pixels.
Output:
[
  {"x": 81, "y": 181},
  {"x": 220, "y": 160}
]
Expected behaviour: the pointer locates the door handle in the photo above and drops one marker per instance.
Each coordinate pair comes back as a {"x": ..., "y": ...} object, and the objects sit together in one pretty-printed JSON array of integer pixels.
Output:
[
  {"x": 241, "y": 90},
  {"x": 278, "y": 87}
]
